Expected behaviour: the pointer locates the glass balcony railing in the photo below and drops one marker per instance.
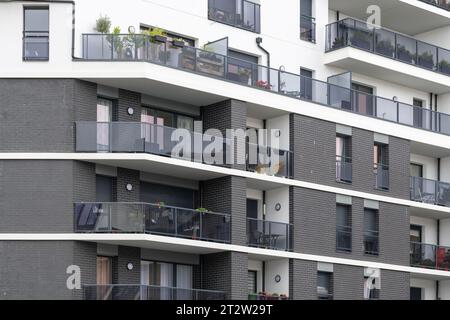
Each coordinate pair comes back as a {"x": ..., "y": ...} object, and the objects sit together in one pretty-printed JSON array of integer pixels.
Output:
[
  {"x": 343, "y": 169},
  {"x": 121, "y": 217},
  {"x": 100, "y": 47},
  {"x": 430, "y": 191},
  {"x": 138, "y": 137},
  {"x": 308, "y": 28},
  {"x": 239, "y": 13},
  {"x": 358, "y": 34},
  {"x": 371, "y": 242},
  {"x": 444, "y": 4},
  {"x": 430, "y": 256},
  {"x": 381, "y": 173},
  {"x": 146, "y": 292},
  {"x": 269, "y": 235}
]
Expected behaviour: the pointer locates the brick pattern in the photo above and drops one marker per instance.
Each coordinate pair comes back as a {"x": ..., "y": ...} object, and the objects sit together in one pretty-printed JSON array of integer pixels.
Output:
[
  {"x": 315, "y": 227},
  {"x": 228, "y": 114},
  {"x": 126, "y": 255},
  {"x": 128, "y": 99},
  {"x": 395, "y": 285},
  {"x": 348, "y": 282},
  {"x": 302, "y": 279},
  {"x": 124, "y": 177},
  {"x": 228, "y": 195},
  {"x": 313, "y": 142},
  {"x": 226, "y": 271},
  {"x": 85, "y": 256}
]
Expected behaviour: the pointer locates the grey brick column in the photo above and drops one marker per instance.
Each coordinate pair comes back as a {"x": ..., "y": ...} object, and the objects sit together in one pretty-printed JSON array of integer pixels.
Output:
[
  {"x": 125, "y": 256},
  {"x": 348, "y": 282},
  {"x": 228, "y": 114},
  {"x": 126, "y": 100},
  {"x": 124, "y": 177},
  {"x": 85, "y": 256},
  {"x": 228, "y": 195},
  {"x": 395, "y": 285},
  {"x": 226, "y": 271},
  {"x": 302, "y": 279}
]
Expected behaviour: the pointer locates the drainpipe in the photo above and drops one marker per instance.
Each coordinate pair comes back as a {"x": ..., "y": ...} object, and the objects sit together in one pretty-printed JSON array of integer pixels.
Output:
[{"x": 73, "y": 17}]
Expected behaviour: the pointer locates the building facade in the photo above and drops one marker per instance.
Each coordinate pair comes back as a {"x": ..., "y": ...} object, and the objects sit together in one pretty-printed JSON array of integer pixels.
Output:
[{"x": 348, "y": 196}]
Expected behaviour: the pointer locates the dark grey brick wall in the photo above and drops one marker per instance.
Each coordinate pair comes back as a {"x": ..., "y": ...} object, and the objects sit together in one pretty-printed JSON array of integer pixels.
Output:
[
  {"x": 37, "y": 269},
  {"x": 124, "y": 177},
  {"x": 84, "y": 182},
  {"x": 229, "y": 195},
  {"x": 226, "y": 271},
  {"x": 302, "y": 279},
  {"x": 348, "y": 282},
  {"x": 39, "y": 114},
  {"x": 395, "y": 285},
  {"x": 313, "y": 142},
  {"x": 126, "y": 100},
  {"x": 228, "y": 114},
  {"x": 126, "y": 255},
  {"x": 313, "y": 214}
]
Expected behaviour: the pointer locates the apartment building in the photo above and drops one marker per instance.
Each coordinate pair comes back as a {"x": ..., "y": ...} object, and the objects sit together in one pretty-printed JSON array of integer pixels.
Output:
[{"x": 353, "y": 203}]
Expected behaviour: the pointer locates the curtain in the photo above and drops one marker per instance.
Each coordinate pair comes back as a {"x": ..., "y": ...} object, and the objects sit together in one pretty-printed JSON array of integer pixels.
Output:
[{"x": 104, "y": 108}]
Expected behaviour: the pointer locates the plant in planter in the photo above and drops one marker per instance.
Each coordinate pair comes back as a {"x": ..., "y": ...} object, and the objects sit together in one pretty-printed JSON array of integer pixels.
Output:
[
  {"x": 158, "y": 35},
  {"x": 262, "y": 295},
  {"x": 160, "y": 204},
  {"x": 202, "y": 210},
  {"x": 361, "y": 39},
  {"x": 274, "y": 296},
  {"x": 444, "y": 66},
  {"x": 117, "y": 42},
  {"x": 103, "y": 24},
  {"x": 404, "y": 54},
  {"x": 386, "y": 48},
  {"x": 178, "y": 42},
  {"x": 209, "y": 54},
  {"x": 263, "y": 84},
  {"x": 426, "y": 59}
]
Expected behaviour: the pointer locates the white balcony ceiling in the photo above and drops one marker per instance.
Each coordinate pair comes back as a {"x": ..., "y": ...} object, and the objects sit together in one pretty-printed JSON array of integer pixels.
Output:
[{"x": 406, "y": 16}]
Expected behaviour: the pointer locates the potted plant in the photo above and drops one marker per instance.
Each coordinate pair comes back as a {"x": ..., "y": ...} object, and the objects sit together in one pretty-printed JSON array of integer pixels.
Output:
[
  {"x": 426, "y": 59},
  {"x": 404, "y": 54},
  {"x": 178, "y": 42},
  {"x": 262, "y": 295},
  {"x": 263, "y": 84},
  {"x": 361, "y": 39},
  {"x": 386, "y": 48},
  {"x": 338, "y": 43},
  {"x": 158, "y": 35},
  {"x": 202, "y": 210},
  {"x": 274, "y": 296},
  {"x": 252, "y": 296},
  {"x": 103, "y": 24},
  {"x": 444, "y": 66}
]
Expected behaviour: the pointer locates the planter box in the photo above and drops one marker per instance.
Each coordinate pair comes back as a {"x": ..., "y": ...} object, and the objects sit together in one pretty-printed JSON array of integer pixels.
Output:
[
  {"x": 178, "y": 43},
  {"x": 159, "y": 38}
]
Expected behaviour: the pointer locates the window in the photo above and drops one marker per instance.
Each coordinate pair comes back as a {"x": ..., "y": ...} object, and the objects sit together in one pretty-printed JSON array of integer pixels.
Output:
[
  {"x": 324, "y": 285},
  {"x": 307, "y": 22},
  {"x": 420, "y": 114},
  {"x": 371, "y": 231},
  {"x": 242, "y": 67},
  {"x": 239, "y": 13},
  {"x": 363, "y": 101},
  {"x": 416, "y": 170},
  {"x": 306, "y": 83},
  {"x": 104, "y": 115},
  {"x": 415, "y": 233},
  {"x": 343, "y": 228},
  {"x": 381, "y": 165},
  {"x": 252, "y": 281},
  {"x": 343, "y": 158},
  {"x": 104, "y": 188},
  {"x": 252, "y": 208},
  {"x": 415, "y": 293},
  {"x": 170, "y": 195},
  {"x": 35, "y": 33}
]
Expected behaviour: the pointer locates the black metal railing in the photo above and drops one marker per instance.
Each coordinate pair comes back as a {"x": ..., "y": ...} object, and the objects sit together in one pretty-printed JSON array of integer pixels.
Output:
[
  {"x": 430, "y": 191},
  {"x": 308, "y": 28},
  {"x": 343, "y": 169},
  {"x": 100, "y": 47},
  {"x": 265, "y": 296},
  {"x": 444, "y": 4},
  {"x": 371, "y": 242},
  {"x": 344, "y": 238},
  {"x": 430, "y": 256},
  {"x": 147, "y": 292},
  {"x": 381, "y": 173},
  {"x": 138, "y": 137},
  {"x": 358, "y": 34},
  {"x": 123, "y": 217},
  {"x": 242, "y": 14},
  {"x": 268, "y": 234}
]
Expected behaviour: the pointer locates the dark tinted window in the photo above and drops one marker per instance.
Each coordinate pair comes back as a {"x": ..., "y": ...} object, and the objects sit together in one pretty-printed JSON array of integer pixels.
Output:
[{"x": 171, "y": 196}]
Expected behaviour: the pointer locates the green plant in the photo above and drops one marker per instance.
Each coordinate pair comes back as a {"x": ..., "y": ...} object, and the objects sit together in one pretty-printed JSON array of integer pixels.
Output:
[
  {"x": 202, "y": 210},
  {"x": 426, "y": 57},
  {"x": 157, "y": 32},
  {"x": 103, "y": 24},
  {"x": 444, "y": 64},
  {"x": 160, "y": 204}
]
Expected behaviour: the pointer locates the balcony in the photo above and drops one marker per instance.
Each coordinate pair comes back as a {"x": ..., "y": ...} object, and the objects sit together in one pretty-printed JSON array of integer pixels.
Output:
[
  {"x": 138, "y": 137},
  {"x": 343, "y": 169},
  {"x": 371, "y": 241},
  {"x": 308, "y": 28},
  {"x": 156, "y": 219},
  {"x": 269, "y": 235},
  {"x": 241, "y": 14},
  {"x": 360, "y": 35},
  {"x": 98, "y": 47},
  {"x": 266, "y": 296},
  {"x": 146, "y": 292},
  {"x": 381, "y": 173},
  {"x": 430, "y": 191},
  {"x": 443, "y": 4},
  {"x": 430, "y": 256}
]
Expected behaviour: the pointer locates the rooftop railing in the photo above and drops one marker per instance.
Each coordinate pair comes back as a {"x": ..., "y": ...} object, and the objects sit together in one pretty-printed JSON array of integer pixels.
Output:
[
  {"x": 358, "y": 34},
  {"x": 430, "y": 256},
  {"x": 123, "y": 217},
  {"x": 100, "y": 47},
  {"x": 241, "y": 13},
  {"x": 147, "y": 292},
  {"x": 268, "y": 234},
  {"x": 430, "y": 191},
  {"x": 444, "y": 4}
]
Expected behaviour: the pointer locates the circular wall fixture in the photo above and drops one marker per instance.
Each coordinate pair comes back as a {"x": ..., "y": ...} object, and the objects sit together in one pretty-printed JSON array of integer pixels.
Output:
[
  {"x": 129, "y": 187},
  {"x": 130, "y": 266},
  {"x": 131, "y": 29},
  {"x": 278, "y": 207},
  {"x": 130, "y": 111},
  {"x": 277, "y": 278}
]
